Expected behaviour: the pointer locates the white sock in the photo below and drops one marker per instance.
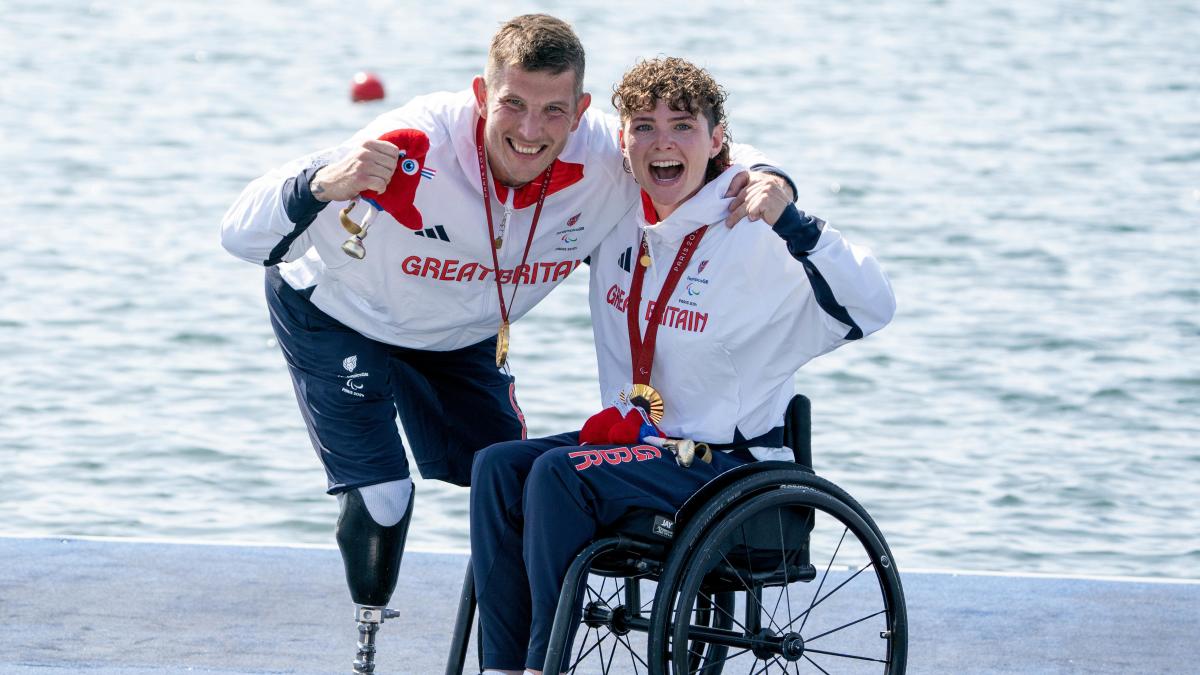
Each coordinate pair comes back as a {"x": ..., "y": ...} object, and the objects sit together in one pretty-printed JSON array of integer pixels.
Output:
[{"x": 387, "y": 502}]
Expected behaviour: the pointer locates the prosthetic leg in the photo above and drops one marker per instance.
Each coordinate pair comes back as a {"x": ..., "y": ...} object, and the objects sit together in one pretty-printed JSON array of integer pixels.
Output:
[{"x": 371, "y": 553}]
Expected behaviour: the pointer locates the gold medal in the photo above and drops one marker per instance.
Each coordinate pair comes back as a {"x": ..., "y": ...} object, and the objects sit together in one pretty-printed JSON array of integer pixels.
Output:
[
  {"x": 498, "y": 242},
  {"x": 647, "y": 398},
  {"x": 644, "y": 261},
  {"x": 502, "y": 345}
]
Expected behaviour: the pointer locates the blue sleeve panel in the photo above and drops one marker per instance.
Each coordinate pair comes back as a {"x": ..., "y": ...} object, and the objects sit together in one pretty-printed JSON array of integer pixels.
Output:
[
  {"x": 301, "y": 207},
  {"x": 774, "y": 171},
  {"x": 801, "y": 232}
]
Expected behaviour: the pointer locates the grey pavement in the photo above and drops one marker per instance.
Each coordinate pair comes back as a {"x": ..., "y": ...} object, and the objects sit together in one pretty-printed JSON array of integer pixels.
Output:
[{"x": 115, "y": 608}]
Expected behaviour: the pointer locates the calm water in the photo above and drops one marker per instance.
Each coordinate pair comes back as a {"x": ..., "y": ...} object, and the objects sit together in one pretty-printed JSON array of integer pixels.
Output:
[{"x": 1029, "y": 176}]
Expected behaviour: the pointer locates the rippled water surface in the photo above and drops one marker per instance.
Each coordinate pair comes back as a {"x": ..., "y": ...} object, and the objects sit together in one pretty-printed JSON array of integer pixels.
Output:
[{"x": 1029, "y": 174}]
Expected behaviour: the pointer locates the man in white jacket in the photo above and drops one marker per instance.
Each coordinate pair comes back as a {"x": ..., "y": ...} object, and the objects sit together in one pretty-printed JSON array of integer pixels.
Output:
[{"x": 419, "y": 325}]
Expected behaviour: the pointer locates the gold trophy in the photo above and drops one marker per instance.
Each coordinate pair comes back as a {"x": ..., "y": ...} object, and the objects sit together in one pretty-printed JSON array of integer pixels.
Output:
[
  {"x": 353, "y": 246},
  {"x": 686, "y": 450}
]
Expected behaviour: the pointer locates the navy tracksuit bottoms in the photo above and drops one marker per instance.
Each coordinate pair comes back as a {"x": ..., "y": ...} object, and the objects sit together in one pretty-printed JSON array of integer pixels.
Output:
[
  {"x": 351, "y": 387},
  {"x": 535, "y": 504}
]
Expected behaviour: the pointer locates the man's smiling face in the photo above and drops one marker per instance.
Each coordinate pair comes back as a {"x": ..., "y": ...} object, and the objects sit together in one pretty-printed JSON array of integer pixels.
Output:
[{"x": 529, "y": 115}]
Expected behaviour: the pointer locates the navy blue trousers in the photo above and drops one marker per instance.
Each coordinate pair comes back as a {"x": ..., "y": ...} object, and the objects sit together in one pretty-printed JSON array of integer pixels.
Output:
[
  {"x": 351, "y": 387},
  {"x": 535, "y": 504}
]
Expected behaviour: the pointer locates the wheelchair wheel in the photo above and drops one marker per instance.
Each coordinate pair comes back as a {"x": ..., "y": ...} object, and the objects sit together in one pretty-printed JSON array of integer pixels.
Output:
[
  {"x": 614, "y": 619},
  {"x": 609, "y": 637},
  {"x": 818, "y": 590}
]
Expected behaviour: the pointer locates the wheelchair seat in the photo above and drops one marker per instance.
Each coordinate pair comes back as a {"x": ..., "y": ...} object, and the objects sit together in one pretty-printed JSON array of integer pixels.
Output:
[
  {"x": 646, "y": 534},
  {"x": 655, "y": 529}
]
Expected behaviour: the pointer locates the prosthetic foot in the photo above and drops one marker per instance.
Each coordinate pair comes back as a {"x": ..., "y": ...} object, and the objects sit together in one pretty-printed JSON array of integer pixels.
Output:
[{"x": 371, "y": 553}]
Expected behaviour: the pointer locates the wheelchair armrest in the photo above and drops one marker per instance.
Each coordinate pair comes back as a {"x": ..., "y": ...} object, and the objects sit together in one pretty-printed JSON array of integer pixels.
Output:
[{"x": 797, "y": 429}]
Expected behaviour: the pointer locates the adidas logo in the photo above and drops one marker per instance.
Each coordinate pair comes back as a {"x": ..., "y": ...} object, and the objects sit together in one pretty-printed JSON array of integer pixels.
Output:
[
  {"x": 435, "y": 232},
  {"x": 624, "y": 259}
]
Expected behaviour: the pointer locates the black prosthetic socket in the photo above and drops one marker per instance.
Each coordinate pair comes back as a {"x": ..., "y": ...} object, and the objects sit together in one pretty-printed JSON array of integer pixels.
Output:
[{"x": 370, "y": 551}]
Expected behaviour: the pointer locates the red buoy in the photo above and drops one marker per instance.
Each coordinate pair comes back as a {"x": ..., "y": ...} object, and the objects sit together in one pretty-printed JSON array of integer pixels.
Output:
[{"x": 366, "y": 87}]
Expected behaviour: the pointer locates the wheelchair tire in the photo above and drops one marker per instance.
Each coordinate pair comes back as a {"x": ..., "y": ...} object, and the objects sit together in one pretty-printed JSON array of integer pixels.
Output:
[{"x": 868, "y": 642}]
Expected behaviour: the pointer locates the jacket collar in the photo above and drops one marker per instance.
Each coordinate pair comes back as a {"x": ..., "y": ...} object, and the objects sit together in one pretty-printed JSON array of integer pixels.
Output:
[{"x": 706, "y": 207}]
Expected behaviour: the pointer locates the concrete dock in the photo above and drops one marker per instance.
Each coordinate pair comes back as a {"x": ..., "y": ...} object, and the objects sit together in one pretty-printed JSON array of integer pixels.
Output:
[{"x": 117, "y": 607}]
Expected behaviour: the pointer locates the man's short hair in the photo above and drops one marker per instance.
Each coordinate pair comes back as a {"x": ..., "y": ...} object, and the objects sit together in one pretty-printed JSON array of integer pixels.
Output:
[{"x": 537, "y": 42}]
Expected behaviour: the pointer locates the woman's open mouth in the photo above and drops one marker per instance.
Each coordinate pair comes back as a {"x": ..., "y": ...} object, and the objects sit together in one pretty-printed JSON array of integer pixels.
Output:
[{"x": 666, "y": 170}]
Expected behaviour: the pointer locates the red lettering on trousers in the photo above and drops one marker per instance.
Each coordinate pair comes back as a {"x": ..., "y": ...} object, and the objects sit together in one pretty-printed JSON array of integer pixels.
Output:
[{"x": 619, "y": 455}]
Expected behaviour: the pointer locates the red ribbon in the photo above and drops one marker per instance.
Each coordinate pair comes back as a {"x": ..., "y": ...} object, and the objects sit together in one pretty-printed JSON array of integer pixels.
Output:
[
  {"x": 487, "y": 209},
  {"x": 642, "y": 351}
]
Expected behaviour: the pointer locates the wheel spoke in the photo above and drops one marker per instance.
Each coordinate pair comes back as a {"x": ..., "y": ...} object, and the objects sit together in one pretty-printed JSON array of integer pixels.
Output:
[
  {"x": 611, "y": 652},
  {"x": 617, "y": 589},
  {"x": 579, "y": 654},
  {"x": 591, "y": 592},
  {"x": 739, "y": 577},
  {"x": 750, "y": 567},
  {"x": 845, "y": 656},
  {"x": 726, "y": 659},
  {"x": 726, "y": 613},
  {"x": 648, "y": 603},
  {"x": 583, "y": 655},
  {"x": 845, "y": 625},
  {"x": 824, "y": 598},
  {"x": 633, "y": 654},
  {"x": 823, "y": 577},
  {"x": 765, "y": 668},
  {"x": 816, "y": 665},
  {"x": 783, "y": 556}
]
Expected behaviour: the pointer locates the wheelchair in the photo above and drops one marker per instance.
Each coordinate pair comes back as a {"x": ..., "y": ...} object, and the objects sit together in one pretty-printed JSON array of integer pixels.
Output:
[{"x": 768, "y": 568}]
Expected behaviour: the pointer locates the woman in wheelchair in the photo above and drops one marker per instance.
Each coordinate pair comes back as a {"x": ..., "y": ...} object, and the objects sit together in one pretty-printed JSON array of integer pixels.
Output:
[{"x": 699, "y": 331}]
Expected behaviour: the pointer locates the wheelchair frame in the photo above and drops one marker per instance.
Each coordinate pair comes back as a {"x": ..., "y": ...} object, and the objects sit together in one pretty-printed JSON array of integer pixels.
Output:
[{"x": 693, "y": 569}]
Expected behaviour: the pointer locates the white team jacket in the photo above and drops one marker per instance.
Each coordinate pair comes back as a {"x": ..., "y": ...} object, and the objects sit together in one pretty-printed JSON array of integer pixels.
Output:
[
  {"x": 743, "y": 319},
  {"x": 435, "y": 289}
]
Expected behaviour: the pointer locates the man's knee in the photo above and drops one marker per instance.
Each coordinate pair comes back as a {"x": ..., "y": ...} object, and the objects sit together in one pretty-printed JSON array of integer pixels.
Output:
[
  {"x": 554, "y": 472},
  {"x": 497, "y": 461}
]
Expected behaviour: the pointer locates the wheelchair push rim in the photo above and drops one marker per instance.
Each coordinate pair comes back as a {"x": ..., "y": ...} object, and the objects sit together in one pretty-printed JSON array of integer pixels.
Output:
[{"x": 832, "y": 605}]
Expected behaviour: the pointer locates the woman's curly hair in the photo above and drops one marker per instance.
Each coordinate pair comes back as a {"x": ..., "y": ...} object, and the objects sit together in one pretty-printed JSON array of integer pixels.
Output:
[{"x": 683, "y": 86}]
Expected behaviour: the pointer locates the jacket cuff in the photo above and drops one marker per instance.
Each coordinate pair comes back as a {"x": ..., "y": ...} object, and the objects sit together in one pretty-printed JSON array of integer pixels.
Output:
[
  {"x": 800, "y": 230},
  {"x": 298, "y": 200},
  {"x": 301, "y": 208}
]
